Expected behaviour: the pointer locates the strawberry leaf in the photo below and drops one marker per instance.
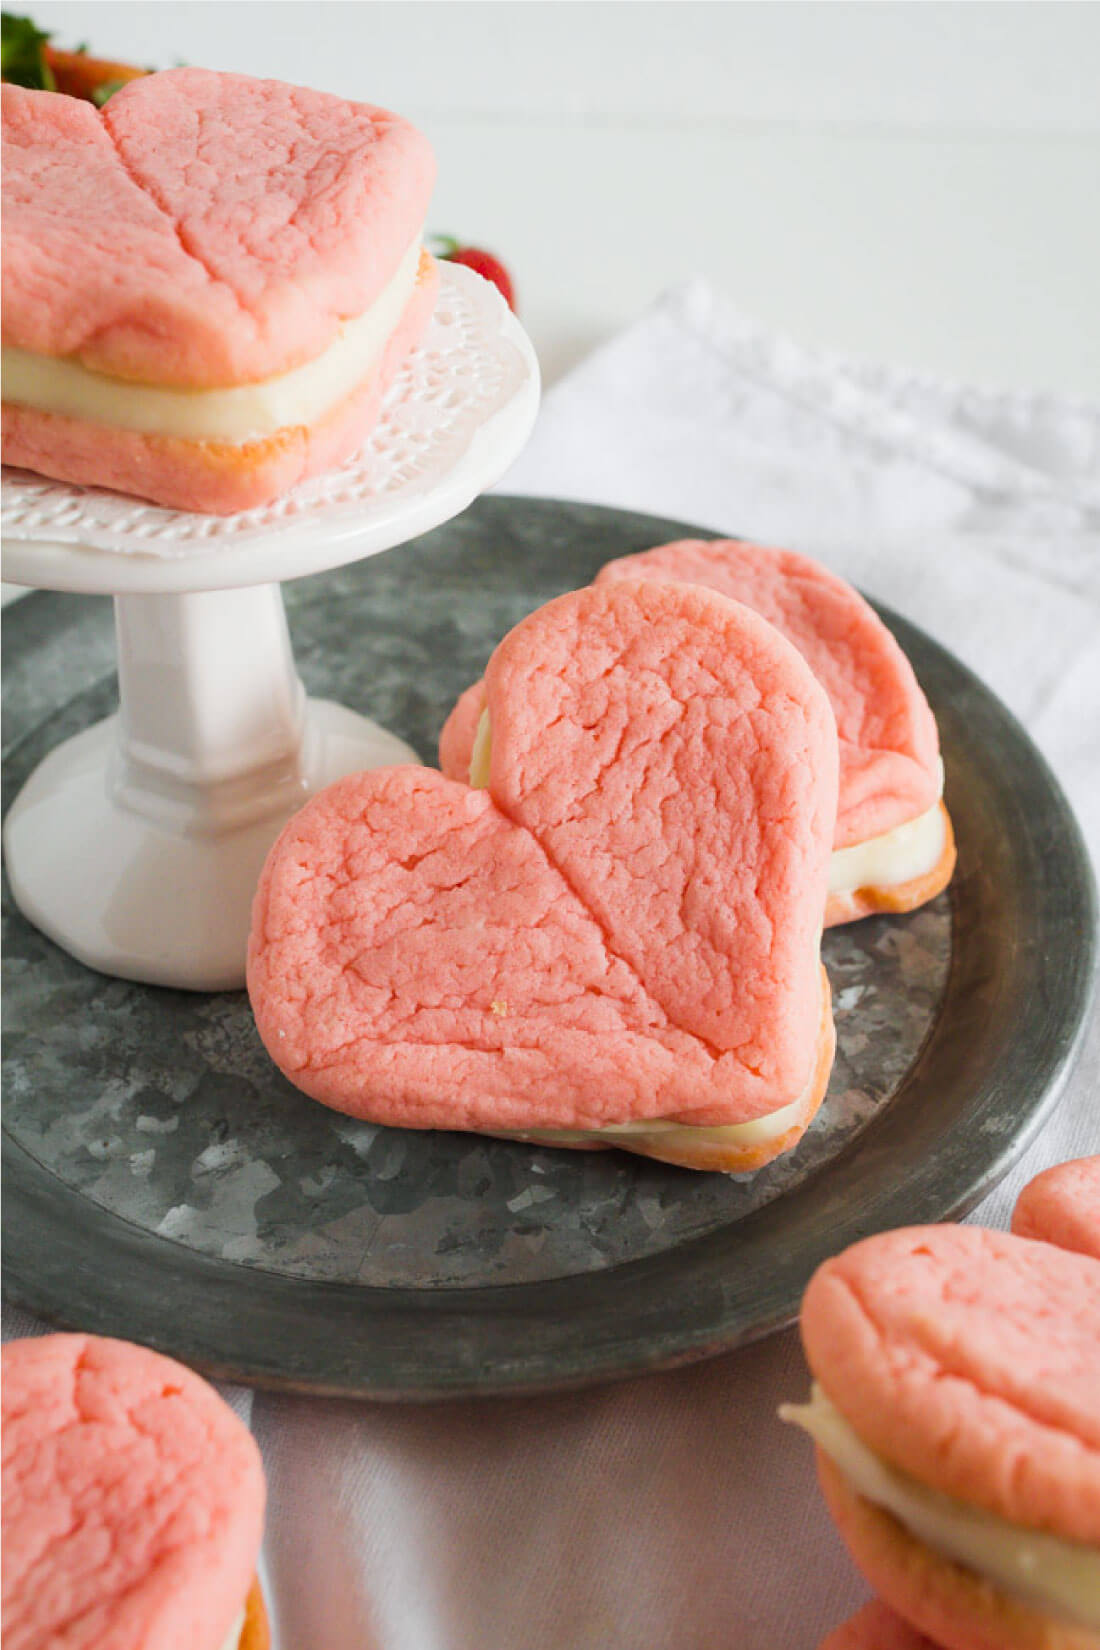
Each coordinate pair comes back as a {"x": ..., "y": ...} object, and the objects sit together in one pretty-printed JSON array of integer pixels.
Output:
[{"x": 21, "y": 59}]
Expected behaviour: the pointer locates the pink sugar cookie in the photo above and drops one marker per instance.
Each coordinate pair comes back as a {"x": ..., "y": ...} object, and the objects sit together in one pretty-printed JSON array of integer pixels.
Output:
[
  {"x": 889, "y": 749},
  {"x": 459, "y": 731},
  {"x": 133, "y": 1503},
  {"x": 876, "y": 1628},
  {"x": 1062, "y": 1206},
  {"x": 957, "y": 1419},
  {"x": 205, "y": 233},
  {"x": 202, "y": 229},
  {"x": 622, "y": 929}
]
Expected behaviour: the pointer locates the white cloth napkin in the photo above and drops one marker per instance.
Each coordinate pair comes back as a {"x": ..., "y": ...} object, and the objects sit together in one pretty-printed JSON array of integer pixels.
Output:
[{"x": 675, "y": 1512}]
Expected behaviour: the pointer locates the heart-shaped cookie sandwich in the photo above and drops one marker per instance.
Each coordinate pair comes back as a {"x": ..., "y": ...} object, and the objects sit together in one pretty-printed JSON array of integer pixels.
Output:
[
  {"x": 133, "y": 1504},
  {"x": 208, "y": 283},
  {"x": 616, "y": 941},
  {"x": 893, "y": 845},
  {"x": 1062, "y": 1206},
  {"x": 956, "y": 1413}
]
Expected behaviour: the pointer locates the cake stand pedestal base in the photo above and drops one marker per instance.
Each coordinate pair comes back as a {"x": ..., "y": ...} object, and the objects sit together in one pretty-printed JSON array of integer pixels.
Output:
[{"x": 137, "y": 845}]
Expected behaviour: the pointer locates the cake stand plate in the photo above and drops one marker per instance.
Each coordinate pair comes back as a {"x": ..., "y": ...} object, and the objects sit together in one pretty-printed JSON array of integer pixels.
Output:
[
  {"x": 137, "y": 844},
  {"x": 165, "y": 1183}
]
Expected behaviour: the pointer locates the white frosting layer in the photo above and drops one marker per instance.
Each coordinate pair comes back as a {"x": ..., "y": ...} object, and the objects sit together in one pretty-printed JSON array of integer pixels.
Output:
[
  {"x": 233, "y": 1637},
  {"x": 910, "y": 850},
  {"x": 246, "y": 412},
  {"x": 1062, "y": 1578},
  {"x": 481, "y": 753},
  {"x": 758, "y": 1131}
]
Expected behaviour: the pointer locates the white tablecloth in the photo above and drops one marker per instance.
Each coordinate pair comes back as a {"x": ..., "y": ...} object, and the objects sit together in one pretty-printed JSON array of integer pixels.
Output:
[{"x": 675, "y": 1512}]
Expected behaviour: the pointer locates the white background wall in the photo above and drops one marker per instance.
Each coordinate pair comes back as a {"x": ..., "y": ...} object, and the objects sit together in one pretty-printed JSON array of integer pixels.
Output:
[{"x": 919, "y": 182}]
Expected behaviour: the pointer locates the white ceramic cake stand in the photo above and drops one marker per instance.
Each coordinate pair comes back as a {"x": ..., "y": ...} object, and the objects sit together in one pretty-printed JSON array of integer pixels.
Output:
[{"x": 137, "y": 844}]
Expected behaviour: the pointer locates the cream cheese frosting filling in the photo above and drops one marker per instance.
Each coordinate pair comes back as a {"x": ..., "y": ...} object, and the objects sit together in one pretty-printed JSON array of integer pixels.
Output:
[
  {"x": 1059, "y": 1577},
  {"x": 232, "y": 1639},
  {"x": 757, "y": 1131},
  {"x": 481, "y": 755},
  {"x": 235, "y": 416},
  {"x": 908, "y": 851}
]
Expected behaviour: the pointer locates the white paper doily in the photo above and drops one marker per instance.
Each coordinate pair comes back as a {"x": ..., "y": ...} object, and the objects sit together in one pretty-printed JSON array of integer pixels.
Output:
[{"x": 454, "y": 419}]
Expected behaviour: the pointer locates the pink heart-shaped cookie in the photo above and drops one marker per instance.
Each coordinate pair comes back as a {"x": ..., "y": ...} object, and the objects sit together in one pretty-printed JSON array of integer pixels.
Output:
[
  {"x": 213, "y": 236},
  {"x": 1062, "y": 1206},
  {"x": 620, "y": 933},
  {"x": 956, "y": 1413},
  {"x": 133, "y": 1503},
  {"x": 893, "y": 843}
]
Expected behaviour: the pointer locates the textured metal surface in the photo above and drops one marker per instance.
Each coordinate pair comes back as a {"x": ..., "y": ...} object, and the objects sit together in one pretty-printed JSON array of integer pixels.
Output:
[
  {"x": 166, "y": 1184},
  {"x": 163, "y": 1107}
]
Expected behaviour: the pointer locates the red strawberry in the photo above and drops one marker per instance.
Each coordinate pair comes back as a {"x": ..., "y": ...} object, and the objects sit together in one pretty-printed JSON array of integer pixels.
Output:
[{"x": 483, "y": 263}]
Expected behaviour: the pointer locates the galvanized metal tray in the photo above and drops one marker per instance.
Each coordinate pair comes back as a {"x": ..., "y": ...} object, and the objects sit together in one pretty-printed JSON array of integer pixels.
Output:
[{"x": 165, "y": 1184}]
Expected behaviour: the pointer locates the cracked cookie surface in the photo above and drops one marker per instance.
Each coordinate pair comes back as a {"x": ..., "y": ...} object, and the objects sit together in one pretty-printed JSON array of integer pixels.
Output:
[
  {"x": 133, "y": 1500},
  {"x": 623, "y": 926}
]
